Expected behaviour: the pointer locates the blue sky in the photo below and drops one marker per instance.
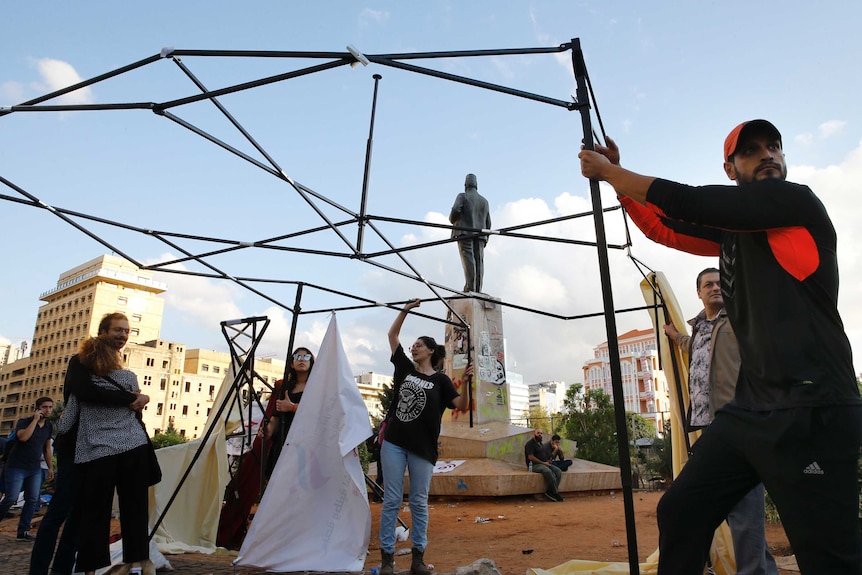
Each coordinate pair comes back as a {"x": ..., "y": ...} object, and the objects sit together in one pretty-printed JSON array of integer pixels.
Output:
[{"x": 671, "y": 79}]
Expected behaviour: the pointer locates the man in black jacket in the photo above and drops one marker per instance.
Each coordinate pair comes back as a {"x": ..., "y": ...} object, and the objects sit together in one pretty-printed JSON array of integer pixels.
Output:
[{"x": 795, "y": 422}]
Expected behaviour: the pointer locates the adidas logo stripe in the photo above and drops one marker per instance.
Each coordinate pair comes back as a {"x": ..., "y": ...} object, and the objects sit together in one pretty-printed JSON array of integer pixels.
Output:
[{"x": 813, "y": 469}]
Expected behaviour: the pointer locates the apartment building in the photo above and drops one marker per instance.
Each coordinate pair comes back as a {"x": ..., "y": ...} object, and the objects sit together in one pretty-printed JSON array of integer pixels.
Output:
[
  {"x": 370, "y": 386},
  {"x": 644, "y": 385}
]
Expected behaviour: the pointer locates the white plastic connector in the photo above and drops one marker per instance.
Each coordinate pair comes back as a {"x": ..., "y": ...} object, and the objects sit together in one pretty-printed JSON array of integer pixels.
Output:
[{"x": 360, "y": 58}]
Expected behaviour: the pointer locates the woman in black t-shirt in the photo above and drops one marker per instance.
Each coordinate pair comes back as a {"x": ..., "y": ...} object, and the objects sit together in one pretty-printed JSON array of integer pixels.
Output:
[{"x": 422, "y": 394}]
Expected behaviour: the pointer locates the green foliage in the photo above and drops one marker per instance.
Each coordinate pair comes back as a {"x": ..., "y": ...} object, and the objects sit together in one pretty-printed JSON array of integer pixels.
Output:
[
  {"x": 168, "y": 437},
  {"x": 364, "y": 456},
  {"x": 662, "y": 463},
  {"x": 589, "y": 420},
  {"x": 385, "y": 396}
]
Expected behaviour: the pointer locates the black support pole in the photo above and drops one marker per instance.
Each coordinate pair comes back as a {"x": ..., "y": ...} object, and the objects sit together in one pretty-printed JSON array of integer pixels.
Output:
[
  {"x": 361, "y": 221},
  {"x": 610, "y": 319}
]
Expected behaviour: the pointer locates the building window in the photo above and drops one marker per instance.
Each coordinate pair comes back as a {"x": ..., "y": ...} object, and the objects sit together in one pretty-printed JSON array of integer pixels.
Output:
[
  {"x": 163, "y": 384},
  {"x": 135, "y": 331},
  {"x": 165, "y": 364},
  {"x": 148, "y": 380},
  {"x": 151, "y": 362},
  {"x": 188, "y": 386},
  {"x": 159, "y": 408},
  {"x": 122, "y": 300},
  {"x": 185, "y": 411},
  {"x": 205, "y": 367},
  {"x": 216, "y": 369},
  {"x": 136, "y": 317}
]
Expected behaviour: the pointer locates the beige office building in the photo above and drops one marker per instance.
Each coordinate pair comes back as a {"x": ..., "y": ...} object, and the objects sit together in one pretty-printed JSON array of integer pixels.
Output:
[
  {"x": 71, "y": 313},
  {"x": 183, "y": 383}
]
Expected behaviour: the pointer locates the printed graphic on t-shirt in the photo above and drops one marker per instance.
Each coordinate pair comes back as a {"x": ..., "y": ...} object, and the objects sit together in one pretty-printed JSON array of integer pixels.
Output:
[{"x": 413, "y": 398}]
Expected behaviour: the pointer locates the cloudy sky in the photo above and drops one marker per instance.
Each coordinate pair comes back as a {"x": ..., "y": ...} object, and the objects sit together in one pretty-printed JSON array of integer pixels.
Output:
[{"x": 670, "y": 81}]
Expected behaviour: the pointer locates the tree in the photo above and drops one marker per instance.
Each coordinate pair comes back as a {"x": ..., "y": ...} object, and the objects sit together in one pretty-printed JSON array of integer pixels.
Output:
[
  {"x": 589, "y": 419},
  {"x": 537, "y": 418},
  {"x": 168, "y": 437},
  {"x": 386, "y": 396}
]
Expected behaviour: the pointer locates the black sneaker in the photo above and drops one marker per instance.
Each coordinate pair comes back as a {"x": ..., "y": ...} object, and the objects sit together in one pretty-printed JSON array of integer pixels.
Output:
[
  {"x": 550, "y": 496},
  {"x": 558, "y": 498},
  {"x": 25, "y": 537}
]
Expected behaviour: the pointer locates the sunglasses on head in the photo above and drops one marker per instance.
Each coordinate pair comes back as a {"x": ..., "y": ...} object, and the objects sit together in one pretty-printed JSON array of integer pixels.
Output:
[{"x": 302, "y": 356}]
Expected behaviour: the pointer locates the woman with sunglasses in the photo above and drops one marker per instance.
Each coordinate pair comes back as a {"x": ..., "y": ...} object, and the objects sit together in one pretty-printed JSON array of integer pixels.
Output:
[
  {"x": 287, "y": 396},
  {"x": 244, "y": 487},
  {"x": 422, "y": 394}
]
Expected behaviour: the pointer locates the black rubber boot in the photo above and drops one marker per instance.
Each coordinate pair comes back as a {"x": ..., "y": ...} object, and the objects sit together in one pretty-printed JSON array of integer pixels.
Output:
[
  {"x": 417, "y": 566},
  {"x": 387, "y": 565}
]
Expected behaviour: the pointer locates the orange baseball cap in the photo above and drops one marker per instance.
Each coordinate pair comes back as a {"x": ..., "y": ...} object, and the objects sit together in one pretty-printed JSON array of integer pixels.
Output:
[{"x": 733, "y": 137}]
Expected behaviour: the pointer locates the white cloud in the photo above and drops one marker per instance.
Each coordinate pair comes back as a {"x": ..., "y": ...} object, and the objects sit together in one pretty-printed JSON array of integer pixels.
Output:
[
  {"x": 554, "y": 278},
  {"x": 57, "y": 74},
  {"x": 830, "y": 128},
  {"x": 198, "y": 301},
  {"x": 368, "y": 16},
  {"x": 837, "y": 186},
  {"x": 824, "y": 131},
  {"x": 804, "y": 139}
]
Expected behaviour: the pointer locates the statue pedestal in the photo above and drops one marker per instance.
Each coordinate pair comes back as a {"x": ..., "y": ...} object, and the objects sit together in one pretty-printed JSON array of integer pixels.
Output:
[
  {"x": 490, "y": 391},
  {"x": 487, "y": 460}
]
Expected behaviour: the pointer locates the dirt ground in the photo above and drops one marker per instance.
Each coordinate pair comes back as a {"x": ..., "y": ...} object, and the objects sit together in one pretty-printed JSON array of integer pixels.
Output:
[
  {"x": 523, "y": 532},
  {"x": 517, "y": 533}
]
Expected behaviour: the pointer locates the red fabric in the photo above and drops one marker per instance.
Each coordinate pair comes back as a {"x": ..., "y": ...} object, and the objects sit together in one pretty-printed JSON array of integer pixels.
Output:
[
  {"x": 649, "y": 219},
  {"x": 795, "y": 250},
  {"x": 243, "y": 490}
]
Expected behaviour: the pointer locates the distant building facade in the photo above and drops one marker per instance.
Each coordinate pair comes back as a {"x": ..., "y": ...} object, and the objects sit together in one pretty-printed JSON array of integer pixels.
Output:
[
  {"x": 644, "y": 385},
  {"x": 548, "y": 395},
  {"x": 519, "y": 398},
  {"x": 10, "y": 353},
  {"x": 182, "y": 383},
  {"x": 371, "y": 386}
]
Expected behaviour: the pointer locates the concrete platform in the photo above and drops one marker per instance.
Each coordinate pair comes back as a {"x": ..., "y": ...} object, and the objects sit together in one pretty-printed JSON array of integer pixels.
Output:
[{"x": 493, "y": 456}]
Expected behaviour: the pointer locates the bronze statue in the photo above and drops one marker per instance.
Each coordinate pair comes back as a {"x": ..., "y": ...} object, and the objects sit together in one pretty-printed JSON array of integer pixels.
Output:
[{"x": 471, "y": 211}]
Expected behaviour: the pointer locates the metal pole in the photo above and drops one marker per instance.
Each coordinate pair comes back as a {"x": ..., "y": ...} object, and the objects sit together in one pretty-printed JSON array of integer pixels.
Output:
[
  {"x": 610, "y": 320},
  {"x": 368, "y": 147}
]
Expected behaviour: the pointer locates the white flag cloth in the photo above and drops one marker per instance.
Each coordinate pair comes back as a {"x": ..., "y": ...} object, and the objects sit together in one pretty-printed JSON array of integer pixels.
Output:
[{"x": 314, "y": 515}]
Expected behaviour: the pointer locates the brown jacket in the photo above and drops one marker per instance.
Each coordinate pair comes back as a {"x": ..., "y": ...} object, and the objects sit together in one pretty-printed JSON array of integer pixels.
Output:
[{"x": 723, "y": 360}]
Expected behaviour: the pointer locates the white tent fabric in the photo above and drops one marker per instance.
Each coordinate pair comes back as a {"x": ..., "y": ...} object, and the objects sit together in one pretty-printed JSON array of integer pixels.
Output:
[
  {"x": 314, "y": 514},
  {"x": 191, "y": 523}
]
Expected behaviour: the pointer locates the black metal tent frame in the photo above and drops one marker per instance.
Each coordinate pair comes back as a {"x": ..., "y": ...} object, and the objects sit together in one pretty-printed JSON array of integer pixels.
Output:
[{"x": 582, "y": 102}]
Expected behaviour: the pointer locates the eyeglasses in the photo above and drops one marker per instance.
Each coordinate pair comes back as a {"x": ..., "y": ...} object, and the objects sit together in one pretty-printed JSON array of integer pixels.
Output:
[{"x": 302, "y": 356}]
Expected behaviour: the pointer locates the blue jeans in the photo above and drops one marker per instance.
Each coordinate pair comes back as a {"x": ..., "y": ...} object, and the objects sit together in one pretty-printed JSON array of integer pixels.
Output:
[
  {"x": 31, "y": 482},
  {"x": 747, "y": 523},
  {"x": 60, "y": 510},
  {"x": 395, "y": 460}
]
